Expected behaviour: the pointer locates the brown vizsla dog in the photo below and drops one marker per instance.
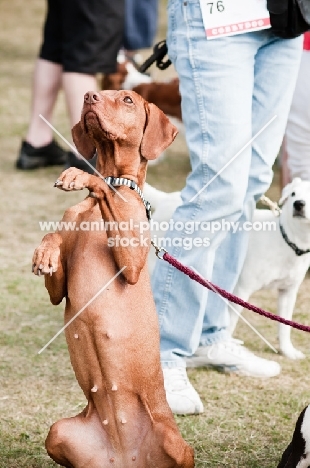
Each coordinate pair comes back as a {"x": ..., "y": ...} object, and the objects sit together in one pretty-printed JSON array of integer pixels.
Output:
[{"x": 114, "y": 342}]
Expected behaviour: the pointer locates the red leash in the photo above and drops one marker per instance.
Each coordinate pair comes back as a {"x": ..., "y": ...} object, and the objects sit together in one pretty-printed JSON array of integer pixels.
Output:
[{"x": 227, "y": 295}]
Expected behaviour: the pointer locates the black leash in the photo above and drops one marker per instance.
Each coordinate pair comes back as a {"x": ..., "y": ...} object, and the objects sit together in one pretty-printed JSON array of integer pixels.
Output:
[{"x": 160, "y": 50}]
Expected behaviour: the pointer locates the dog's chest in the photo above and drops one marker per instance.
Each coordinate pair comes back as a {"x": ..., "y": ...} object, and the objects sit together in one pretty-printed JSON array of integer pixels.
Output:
[
  {"x": 281, "y": 283},
  {"x": 283, "y": 276}
]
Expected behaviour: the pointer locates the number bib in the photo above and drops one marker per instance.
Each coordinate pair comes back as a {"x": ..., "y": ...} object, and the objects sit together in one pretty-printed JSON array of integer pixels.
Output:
[{"x": 230, "y": 17}]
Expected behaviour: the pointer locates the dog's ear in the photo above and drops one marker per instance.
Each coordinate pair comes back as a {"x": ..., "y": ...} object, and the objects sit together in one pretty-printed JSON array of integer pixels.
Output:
[
  {"x": 83, "y": 143},
  {"x": 288, "y": 189},
  {"x": 159, "y": 132}
]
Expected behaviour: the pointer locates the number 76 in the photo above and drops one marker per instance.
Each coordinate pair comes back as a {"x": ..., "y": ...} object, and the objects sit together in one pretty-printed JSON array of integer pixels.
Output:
[{"x": 219, "y": 6}]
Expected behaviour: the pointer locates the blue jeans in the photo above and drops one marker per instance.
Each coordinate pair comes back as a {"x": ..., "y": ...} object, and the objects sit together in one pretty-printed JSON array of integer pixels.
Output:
[
  {"x": 140, "y": 23},
  {"x": 231, "y": 87}
]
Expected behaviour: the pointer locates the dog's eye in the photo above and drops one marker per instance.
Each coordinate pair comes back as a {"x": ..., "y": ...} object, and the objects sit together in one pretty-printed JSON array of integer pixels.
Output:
[
  {"x": 293, "y": 194},
  {"x": 128, "y": 100}
]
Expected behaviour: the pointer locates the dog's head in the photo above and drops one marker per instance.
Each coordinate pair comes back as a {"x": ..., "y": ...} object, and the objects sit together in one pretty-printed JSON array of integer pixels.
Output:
[
  {"x": 124, "y": 118},
  {"x": 295, "y": 199}
]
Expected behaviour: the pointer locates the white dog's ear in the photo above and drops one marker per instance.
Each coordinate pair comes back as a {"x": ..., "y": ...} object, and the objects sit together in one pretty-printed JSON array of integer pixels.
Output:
[{"x": 288, "y": 189}]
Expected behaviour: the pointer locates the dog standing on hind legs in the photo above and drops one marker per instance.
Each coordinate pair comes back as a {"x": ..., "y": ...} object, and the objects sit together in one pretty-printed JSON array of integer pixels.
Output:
[{"x": 114, "y": 342}]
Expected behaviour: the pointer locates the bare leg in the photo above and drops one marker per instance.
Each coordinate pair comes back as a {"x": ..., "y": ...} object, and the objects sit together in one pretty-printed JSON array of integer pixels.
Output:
[
  {"x": 285, "y": 173},
  {"x": 75, "y": 85},
  {"x": 46, "y": 84}
]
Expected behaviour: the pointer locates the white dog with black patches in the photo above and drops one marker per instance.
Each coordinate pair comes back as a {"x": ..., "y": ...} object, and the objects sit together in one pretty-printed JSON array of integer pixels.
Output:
[
  {"x": 297, "y": 454},
  {"x": 276, "y": 259}
]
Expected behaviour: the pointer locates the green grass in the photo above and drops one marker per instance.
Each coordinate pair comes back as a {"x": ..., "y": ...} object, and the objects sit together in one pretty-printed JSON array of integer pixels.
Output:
[{"x": 247, "y": 422}]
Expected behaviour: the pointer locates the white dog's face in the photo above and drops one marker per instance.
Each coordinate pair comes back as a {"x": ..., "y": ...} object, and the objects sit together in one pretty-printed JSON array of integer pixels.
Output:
[{"x": 296, "y": 199}]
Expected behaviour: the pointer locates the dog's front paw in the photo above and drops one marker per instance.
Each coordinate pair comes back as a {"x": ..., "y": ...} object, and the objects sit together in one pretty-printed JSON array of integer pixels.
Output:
[
  {"x": 46, "y": 257},
  {"x": 291, "y": 352},
  {"x": 73, "y": 179}
]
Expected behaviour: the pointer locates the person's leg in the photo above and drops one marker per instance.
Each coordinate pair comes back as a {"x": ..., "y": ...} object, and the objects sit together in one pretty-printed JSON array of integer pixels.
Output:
[
  {"x": 140, "y": 24},
  {"x": 92, "y": 36},
  {"x": 75, "y": 85},
  {"x": 216, "y": 84},
  {"x": 276, "y": 68},
  {"x": 285, "y": 176},
  {"x": 298, "y": 125},
  {"x": 218, "y": 123},
  {"x": 47, "y": 78},
  {"x": 39, "y": 149},
  {"x": 45, "y": 88}
]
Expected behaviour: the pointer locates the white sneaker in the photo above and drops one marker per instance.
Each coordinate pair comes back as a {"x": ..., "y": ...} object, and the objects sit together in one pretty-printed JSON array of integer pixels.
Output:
[
  {"x": 181, "y": 395},
  {"x": 231, "y": 356}
]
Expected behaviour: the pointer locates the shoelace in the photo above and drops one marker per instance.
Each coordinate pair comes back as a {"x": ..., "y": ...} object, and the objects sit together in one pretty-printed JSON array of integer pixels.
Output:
[
  {"x": 179, "y": 378},
  {"x": 233, "y": 345}
]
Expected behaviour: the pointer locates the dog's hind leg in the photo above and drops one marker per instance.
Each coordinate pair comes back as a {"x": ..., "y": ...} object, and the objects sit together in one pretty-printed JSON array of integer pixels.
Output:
[
  {"x": 286, "y": 303},
  {"x": 80, "y": 442}
]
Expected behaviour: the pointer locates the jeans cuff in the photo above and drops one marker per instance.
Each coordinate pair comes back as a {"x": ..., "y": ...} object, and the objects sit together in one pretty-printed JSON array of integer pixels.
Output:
[
  {"x": 215, "y": 338},
  {"x": 173, "y": 364}
]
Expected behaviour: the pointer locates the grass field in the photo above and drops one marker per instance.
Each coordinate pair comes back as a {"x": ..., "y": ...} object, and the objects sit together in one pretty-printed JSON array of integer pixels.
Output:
[{"x": 246, "y": 423}]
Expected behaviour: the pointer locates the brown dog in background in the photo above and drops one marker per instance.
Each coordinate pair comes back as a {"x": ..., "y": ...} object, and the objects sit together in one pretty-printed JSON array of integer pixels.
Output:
[
  {"x": 165, "y": 95},
  {"x": 114, "y": 342},
  {"x": 114, "y": 81}
]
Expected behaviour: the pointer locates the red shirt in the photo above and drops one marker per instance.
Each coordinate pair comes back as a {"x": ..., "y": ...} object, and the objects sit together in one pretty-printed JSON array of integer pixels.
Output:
[{"x": 307, "y": 41}]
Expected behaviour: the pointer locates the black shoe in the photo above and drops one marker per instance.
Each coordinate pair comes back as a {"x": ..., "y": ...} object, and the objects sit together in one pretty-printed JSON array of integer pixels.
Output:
[
  {"x": 48, "y": 155},
  {"x": 74, "y": 161}
]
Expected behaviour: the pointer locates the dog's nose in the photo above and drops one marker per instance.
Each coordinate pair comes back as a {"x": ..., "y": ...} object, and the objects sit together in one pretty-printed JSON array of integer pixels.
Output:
[
  {"x": 299, "y": 204},
  {"x": 91, "y": 97}
]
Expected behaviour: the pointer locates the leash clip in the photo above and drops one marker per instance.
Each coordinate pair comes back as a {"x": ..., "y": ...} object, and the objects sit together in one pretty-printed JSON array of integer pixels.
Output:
[{"x": 158, "y": 250}]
